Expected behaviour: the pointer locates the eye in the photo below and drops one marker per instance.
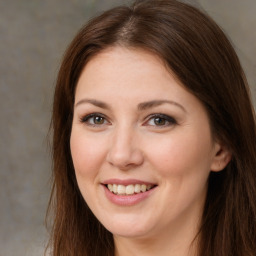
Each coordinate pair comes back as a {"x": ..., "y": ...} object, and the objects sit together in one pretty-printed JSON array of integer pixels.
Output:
[
  {"x": 160, "y": 120},
  {"x": 94, "y": 119}
]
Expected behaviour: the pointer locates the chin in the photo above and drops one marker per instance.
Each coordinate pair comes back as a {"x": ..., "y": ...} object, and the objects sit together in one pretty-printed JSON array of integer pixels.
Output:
[
  {"x": 128, "y": 228},
  {"x": 130, "y": 232}
]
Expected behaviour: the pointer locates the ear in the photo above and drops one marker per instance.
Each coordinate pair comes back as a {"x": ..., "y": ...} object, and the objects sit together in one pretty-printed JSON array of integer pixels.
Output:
[{"x": 222, "y": 157}]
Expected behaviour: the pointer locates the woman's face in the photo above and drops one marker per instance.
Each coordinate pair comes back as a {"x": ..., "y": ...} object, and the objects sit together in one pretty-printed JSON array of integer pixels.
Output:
[{"x": 141, "y": 145}]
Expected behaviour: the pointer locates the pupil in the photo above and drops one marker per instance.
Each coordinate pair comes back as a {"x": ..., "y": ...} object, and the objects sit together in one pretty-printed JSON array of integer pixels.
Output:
[
  {"x": 98, "y": 120},
  {"x": 159, "y": 121}
]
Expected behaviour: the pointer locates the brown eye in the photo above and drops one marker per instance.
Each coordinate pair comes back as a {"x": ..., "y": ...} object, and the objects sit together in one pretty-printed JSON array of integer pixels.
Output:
[
  {"x": 94, "y": 120},
  {"x": 98, "y": 120},
  {"x": 159, "y": 121}
]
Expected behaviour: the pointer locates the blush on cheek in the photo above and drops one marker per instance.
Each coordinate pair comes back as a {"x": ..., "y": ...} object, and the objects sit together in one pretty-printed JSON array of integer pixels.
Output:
[
  {"x": 179, "y": 162},
  {"x": 168, "y": 157},
  {"x": 86, "y": 159}
]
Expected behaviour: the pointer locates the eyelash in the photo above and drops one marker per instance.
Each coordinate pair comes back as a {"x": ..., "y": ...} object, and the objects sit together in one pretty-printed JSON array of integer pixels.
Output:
[
  {"x": 86, "y": 119},
  {"x": 170, "y": 120}
]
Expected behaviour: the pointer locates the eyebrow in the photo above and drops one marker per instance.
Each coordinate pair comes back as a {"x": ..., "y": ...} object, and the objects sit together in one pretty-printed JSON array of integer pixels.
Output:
[
  {"x": 155, "y": 103},
  {"x": 96, "y": 103},
  {"x": 142, "y": 106}
]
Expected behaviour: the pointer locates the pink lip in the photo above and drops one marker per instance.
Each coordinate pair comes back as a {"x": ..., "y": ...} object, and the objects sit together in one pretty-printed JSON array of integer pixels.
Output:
[
  {"x": 127, "y": 200},
  {"x": 126, "y": 182}
]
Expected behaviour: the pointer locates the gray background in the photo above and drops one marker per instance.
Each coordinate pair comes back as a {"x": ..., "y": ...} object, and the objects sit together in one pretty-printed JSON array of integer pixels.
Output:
[{"x": 33, "y": 37}]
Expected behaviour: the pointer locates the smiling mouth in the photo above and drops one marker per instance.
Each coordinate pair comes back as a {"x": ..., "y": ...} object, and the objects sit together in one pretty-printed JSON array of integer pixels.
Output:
[{"x": 128, "y": 190}]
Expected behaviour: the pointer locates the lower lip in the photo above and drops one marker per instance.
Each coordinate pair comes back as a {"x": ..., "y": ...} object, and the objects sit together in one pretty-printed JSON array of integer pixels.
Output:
[{"x": 128, "y": 200}]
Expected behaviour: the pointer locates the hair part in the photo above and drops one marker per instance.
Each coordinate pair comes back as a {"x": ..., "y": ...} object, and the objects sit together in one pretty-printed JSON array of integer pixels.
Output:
[{"x": 201, "y": 57}]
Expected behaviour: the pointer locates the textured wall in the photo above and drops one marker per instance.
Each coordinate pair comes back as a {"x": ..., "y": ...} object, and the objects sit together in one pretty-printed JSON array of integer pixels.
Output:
[{"x": 33, "y": 36}]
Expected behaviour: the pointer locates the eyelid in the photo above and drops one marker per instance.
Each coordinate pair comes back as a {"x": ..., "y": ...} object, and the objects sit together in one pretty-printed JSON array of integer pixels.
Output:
[
  {"x": 171, "y": 120},
  {"x": 84, "y": 119}
]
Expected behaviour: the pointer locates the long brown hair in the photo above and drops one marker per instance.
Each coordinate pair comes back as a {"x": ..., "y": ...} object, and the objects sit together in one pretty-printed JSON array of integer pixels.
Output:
[{"x": 202, "y": 58}]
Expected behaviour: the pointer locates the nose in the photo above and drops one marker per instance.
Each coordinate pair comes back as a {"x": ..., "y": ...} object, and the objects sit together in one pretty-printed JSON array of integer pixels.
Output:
[{"x": 125, "y": 150}]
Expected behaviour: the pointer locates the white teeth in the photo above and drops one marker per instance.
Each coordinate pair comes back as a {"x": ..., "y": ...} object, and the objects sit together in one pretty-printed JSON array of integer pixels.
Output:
[
  {"x": 137, "y": 188},
  {"x": 120, "y": 189},
  {"x": 114, "y": 188},
  {"x": 128, "y": 190},
  {"x": 143, "y": 188},
  {"x": 110, "y": 187}
]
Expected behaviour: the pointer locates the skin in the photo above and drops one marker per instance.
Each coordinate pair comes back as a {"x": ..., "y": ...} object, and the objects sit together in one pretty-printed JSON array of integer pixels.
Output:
[{"x": 128, "y": 143}]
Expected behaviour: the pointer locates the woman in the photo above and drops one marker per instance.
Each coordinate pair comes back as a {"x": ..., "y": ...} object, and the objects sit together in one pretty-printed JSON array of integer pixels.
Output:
[{"x": 153, "y": 138}]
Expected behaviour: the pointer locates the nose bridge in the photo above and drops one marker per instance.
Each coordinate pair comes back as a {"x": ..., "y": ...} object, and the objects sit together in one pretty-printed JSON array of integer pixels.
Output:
[
  {"x": 125, "y": 150},
  {"x": 123, "y": 136}
]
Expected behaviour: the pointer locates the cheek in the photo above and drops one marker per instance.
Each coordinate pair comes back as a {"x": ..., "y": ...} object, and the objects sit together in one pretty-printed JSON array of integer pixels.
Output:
[
  {"x": 182, "y": 164},
  {"x": 182, "y": 154},
  {"x": 87, "y": 154}
]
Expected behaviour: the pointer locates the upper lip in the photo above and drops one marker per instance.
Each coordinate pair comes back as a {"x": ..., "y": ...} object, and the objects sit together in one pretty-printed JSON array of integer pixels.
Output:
[{"x": 126, "y": 182}]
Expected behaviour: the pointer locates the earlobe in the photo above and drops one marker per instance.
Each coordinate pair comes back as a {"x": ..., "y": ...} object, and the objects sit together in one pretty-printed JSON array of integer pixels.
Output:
[{"x": 221, "y": 159}]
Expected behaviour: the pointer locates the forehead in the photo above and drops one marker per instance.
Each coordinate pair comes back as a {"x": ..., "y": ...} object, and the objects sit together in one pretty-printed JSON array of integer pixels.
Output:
[
  {"x": 129, "y": 70},
  {"x": 125, "y": 66}
]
